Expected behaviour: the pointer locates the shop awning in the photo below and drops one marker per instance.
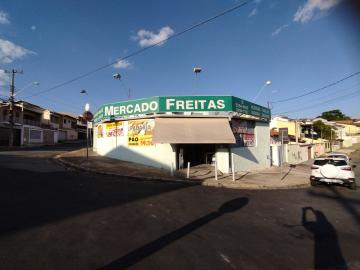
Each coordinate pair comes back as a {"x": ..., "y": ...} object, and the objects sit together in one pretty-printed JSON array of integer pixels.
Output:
[{"x": 193, "y": 130}]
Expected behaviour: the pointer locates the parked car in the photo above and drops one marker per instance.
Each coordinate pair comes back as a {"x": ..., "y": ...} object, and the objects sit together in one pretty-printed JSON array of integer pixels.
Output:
[
  {"x": 338, "y": 155},
  {"x": 332, "y": 171}
]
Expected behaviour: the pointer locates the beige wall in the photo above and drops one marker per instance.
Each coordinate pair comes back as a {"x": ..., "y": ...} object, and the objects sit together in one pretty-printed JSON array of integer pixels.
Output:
[{"x": 294, "y": 153}]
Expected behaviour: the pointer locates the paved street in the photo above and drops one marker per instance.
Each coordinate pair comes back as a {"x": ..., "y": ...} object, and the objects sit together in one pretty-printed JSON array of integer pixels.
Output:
[{"x": 55, "y": 218}]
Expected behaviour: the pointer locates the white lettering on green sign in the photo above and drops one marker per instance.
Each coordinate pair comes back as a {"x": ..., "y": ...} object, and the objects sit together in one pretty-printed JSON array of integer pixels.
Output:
[
  {"x": 194, "y": 104},
  {"x": 134, "y": 108},
  {"x": 181, "y": 104}
]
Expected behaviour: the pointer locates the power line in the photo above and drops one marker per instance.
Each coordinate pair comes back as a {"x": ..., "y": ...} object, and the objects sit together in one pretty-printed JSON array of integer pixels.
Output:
[
  {"x": 61, "y": 102},
  {"x": 145, "y": 49},
  {"x": 329, "y": 94},
  {"x": 355, "y": 93},
  {"x": 318, "y": 90}
]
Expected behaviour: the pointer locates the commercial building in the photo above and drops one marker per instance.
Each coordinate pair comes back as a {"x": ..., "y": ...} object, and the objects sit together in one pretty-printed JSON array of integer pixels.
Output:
[{"x": 169, "y": 132}]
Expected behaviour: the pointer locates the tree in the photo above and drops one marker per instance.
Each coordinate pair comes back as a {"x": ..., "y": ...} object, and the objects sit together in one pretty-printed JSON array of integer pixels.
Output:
[
  {"x": 334, "y": 115},
  {"x": 324, "y": 131}
]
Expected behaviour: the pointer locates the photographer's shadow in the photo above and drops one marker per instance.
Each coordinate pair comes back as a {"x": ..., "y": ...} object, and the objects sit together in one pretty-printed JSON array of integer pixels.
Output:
[{"x": 327, "y": 252}]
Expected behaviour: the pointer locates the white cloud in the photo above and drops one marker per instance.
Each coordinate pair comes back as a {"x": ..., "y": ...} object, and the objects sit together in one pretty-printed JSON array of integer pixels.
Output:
[
  {"x": 122, "y": 64},
  {"x": 10, "y": 51},
  {"x": 307, "y": 11},
  {"x": 4, "y": 17},
  {"x": 253, "y": 12},
  {"x": 278, "y": 30},
  {"x": 4, "y": 78},
  {"x": 33, "y": 27},
  {"x": 147, "y": 38}
]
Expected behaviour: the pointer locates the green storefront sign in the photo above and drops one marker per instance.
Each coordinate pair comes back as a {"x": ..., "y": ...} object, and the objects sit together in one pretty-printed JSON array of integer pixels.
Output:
[{"x": 180, "y": 104}]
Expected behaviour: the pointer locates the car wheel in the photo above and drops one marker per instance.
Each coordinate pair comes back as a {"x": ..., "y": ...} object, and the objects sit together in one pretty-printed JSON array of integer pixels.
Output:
[
  {"x": 313, "y": 182},
  {"x": 353, "y": 185}
]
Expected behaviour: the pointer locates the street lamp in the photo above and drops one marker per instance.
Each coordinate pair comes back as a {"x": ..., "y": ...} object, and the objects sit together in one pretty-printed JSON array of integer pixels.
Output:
[
  {"x": 267, "y": 83},
  {"x": 197, "y": 71},
  {"x": 117, "y": 76},
  {"x": 88, "y": 116}
]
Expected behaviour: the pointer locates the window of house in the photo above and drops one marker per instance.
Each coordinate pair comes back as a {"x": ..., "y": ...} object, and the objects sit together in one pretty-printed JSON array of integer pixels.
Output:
[
  {"x": 244, "y": 132},
  {"x": 54, "y": 119}
]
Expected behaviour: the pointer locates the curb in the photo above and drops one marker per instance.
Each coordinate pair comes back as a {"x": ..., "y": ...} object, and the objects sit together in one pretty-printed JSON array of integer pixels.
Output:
[
  {"x": 142, "y": 178},
  {"x": 254, "y": 187},
  {"x": 59, "y": 159}
]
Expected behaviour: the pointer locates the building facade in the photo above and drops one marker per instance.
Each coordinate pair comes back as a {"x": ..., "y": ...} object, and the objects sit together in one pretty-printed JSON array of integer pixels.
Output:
[
  {"x": 172, "y": 132},
  {"x": 34, "y": 125}
]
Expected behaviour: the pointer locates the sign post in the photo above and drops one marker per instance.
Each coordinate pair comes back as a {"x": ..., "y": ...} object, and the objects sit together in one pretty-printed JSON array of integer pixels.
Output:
[
  {"x": 88, "y": 116},
  {"x": 87, "y": 140}
]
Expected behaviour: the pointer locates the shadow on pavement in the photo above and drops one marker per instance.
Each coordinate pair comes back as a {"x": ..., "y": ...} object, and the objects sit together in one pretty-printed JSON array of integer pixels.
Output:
[
  {"x": 31, "y": 198},
  {"x": 71, "y": 146},
  {"x": 327, "y": 252},
  {"x": 345, "y": 202},
  {"x": 150, "y": 248},
  {"x": 291, "y": 167}
]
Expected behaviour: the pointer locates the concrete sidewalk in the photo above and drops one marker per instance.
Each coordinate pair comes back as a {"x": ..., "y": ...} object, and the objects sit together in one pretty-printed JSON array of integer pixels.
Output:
[{"x": 292, "y": 176}]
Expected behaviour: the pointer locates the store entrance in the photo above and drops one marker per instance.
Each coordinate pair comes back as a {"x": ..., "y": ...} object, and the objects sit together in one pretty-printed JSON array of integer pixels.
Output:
[{"x": 196, "y": 154}]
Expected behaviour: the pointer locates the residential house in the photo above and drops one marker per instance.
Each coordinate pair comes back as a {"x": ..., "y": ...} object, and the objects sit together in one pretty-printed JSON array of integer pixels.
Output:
[
  {"x": 31, "y": 124},
  {"x": 68, "y": 127}
]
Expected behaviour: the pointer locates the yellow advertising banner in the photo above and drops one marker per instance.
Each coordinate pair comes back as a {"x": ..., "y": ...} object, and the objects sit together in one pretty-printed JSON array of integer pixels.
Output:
[
  {"x": 140, "y": 132},
  {"x": 110, "y": 129},
  {"x": 100, "y": 131},
  {"x": 114, "y": 129}
]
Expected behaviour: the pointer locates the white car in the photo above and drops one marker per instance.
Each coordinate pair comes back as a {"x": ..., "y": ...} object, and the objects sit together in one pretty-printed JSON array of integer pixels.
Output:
[
  {"x": 332, "y": 171},
  {"x": 338, "y": 155}
]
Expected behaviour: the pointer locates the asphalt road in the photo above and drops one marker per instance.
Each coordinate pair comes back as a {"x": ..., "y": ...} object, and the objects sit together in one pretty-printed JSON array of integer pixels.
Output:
[{"x": 55, "y": 218}]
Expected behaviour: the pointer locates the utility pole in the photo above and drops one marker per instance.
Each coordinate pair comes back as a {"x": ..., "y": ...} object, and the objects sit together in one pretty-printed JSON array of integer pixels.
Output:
[
  {"x": 296, "y": 132},
  {"x": 12, "y": 104},
  {"x": 331, "y": 141}
]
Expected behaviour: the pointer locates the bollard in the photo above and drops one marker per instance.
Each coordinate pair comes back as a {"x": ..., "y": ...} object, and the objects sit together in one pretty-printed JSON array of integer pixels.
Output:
[
  {"x": 232, "y": 167},
  {"x": 188, "y": 170},
  {"x": 216, "y": 176},
  {"x": 172, "y": 169}
]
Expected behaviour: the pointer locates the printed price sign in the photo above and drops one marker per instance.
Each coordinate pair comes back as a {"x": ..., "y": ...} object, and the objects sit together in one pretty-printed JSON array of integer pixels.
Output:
[{"x": 140, "y": 132}]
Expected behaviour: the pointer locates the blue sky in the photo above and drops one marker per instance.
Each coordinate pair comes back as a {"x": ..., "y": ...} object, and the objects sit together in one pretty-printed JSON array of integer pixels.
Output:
[{"x": 299, "y": 45}]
